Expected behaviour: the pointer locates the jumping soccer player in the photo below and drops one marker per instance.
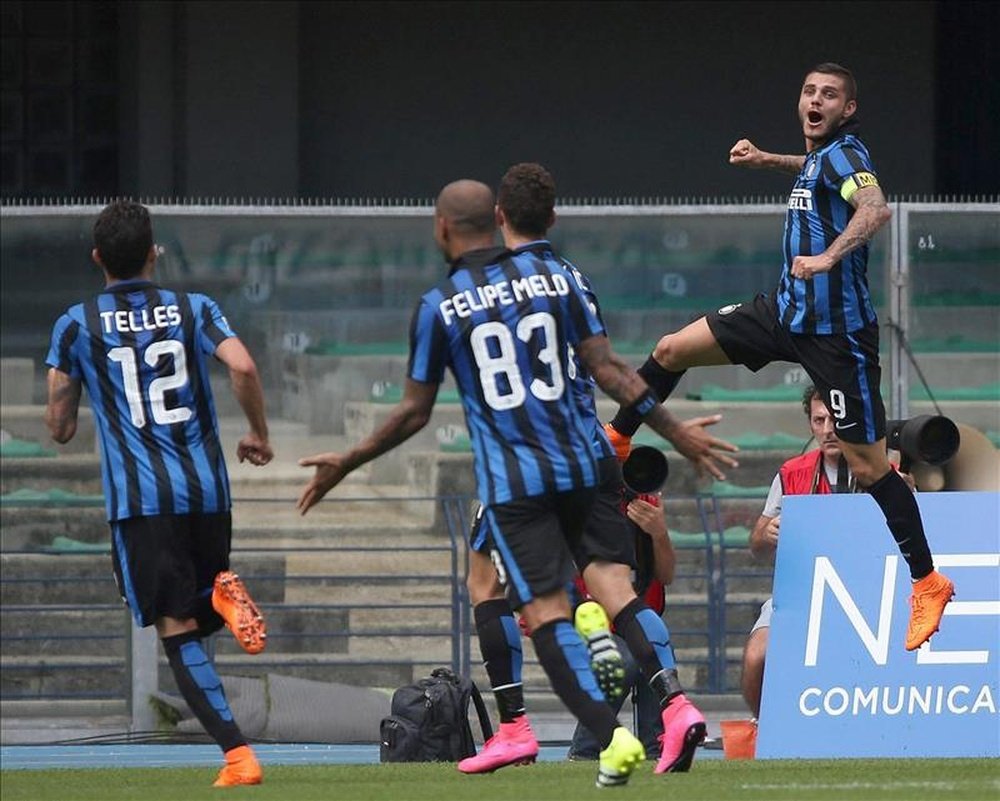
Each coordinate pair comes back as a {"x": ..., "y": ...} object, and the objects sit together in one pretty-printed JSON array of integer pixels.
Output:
[{"x": 821, "y": 316}]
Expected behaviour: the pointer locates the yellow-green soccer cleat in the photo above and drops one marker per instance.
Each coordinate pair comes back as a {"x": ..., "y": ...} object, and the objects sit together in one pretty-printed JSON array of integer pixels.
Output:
[
  {"x": 619, "y": 759},
  {"x": 605, "y": 659}
]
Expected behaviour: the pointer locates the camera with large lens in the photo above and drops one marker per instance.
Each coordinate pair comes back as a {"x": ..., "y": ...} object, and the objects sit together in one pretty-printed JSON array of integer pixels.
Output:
[
  {"x": 930, "y": 439},
  {"x": 645, "y": 471}
]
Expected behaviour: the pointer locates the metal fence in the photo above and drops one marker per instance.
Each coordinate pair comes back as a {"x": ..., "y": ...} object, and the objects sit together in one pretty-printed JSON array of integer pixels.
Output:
[
  {"x": 65, "y": 638},
  {"x": 322, "y": 294}
]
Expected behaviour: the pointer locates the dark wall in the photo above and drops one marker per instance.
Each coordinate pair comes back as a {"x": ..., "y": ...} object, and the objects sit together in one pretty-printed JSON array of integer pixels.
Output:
[
  {"x": 617, "y": 99},
  {"x": 272, "y": 98},
  {"x": 967, "y": 116}
]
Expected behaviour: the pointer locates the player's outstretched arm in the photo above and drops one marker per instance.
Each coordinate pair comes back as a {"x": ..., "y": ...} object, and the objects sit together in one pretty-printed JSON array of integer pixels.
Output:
[
  {"x": 617, "y": 378},
  {"x": 406, "y": 419},
  {"x": 746, "y": 154},
  {"x": 63, "y": 405},
  {"x": 245, "y": 380}
]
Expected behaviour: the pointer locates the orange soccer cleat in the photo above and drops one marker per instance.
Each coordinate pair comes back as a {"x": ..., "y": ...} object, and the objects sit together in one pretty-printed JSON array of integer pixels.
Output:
[
  {"x": 241, "y": 767},
  {"x": 930, "y": 596},
  {"x": 232, "y": 601},
  {"x": 621, "y": 443}
]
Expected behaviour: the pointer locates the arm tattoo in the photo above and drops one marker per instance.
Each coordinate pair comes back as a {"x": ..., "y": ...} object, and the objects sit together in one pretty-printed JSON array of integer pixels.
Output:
[
  {"x": 871, "y": 213},
  {"x": 791, "y": 164}
]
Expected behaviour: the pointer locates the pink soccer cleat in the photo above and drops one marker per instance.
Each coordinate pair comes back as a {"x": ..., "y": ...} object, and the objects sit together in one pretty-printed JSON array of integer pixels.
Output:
[
  {"x": 683, "y": 730},
  {"x": 513, "y": 744}
]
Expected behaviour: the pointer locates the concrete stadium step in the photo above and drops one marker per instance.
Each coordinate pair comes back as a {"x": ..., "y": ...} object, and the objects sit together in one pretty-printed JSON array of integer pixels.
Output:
[
  {"x": 376, "y": 507},
  {"x": 85, "y": 676},
  {"x": 34, "y": 528},
  {"x": 365, "y": 563},
  {"x": 47, "y": 631},
  {"x": 56, "y": 708},
  {"x": 17, "y": 381},
  {"x": 27, "y": 422},
  {"x": 250, "y": 538},
  {"x": 739, "y": 585},
  {"x": 68, "y": 675},
  {"x": 435, "y": 649},
  {"x": 87, "y": 579},
  {"x": 76, "y": 472},
  {"x": 82, "y": 677},
  {"x": 65, "y": 579},
  {"x": 344, "y": 669},
  {"x": 316, "y": 383},
  {"x": 433, "y": 621},
  {"x": 54, "y": 631},
  {"x": 435, "y": 591}
]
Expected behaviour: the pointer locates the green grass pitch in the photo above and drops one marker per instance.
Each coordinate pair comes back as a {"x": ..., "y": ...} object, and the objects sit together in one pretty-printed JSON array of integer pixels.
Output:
[{"x": 710, "y": 780}]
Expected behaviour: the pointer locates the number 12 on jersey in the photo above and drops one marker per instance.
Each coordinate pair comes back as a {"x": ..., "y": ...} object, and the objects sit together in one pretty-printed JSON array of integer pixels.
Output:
[{"x": 126, "y": 357}]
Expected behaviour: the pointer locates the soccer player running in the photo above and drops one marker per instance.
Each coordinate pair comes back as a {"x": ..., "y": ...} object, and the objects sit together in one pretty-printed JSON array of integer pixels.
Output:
[
  {"x": 604, "y": 553},
  {"x": 504, "y": 327},
  {"x": 820, "y": 316},
  {"x": 141, "y": 351}
]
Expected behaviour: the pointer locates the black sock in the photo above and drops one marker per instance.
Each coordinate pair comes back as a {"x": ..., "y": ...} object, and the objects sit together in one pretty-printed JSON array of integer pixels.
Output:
[
  {"x": 661, "y": 381},
  {"x": 666, "y": 685},
  {"x": 500, "y": 646},
  {"x": 201, "y": 687},
  {"x": 566, "y": 662},
  {"x": 648, "y": 638},
  {"x": 902, "y": 515}
]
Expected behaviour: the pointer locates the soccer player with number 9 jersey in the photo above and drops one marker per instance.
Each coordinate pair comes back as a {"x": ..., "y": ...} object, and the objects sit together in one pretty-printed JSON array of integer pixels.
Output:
[{"x": 820, "y": 316}]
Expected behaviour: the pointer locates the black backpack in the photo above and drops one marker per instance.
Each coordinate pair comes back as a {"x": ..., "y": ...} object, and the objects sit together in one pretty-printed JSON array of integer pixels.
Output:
[{"x": 429, "y": 720}]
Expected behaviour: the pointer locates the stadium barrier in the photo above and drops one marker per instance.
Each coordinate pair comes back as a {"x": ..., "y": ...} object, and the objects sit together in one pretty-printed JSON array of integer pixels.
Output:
[
  {"x": 838, "y": 682},
  {"x": 358, "y": 607}
]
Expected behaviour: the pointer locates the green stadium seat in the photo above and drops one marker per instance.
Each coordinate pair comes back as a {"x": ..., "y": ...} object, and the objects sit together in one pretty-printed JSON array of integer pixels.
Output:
[
  {"x": 50, "y": 497},
  {"x": 723, "y": 489},
  {"x": 783, "y": 393},
  {"x": 62, "y": 544},
  {"x": 358, "y": 349},
  {"x": 20, "y": 449}
]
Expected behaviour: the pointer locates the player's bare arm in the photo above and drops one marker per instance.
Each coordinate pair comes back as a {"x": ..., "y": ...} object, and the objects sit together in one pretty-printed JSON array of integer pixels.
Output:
[
  {"x": 746, "y": 154},
  {"x": 245, "y": 380},
  {"x": 617, "y": 378},
  {"x": 406, "y": 419},
  {"x": 871, "y": 213},
  {"x": 63, "y": 406},
  {"x": 764, "y": 537}
]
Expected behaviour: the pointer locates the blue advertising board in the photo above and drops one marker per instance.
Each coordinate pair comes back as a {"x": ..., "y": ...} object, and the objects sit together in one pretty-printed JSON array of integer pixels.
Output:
[{"x": 838, "y": 681}]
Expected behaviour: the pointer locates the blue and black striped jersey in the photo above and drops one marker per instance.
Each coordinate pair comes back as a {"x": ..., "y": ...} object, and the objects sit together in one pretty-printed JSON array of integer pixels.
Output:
[
  {"x": 838, "y": 301},
  {"x": 141, "y": 352},
  {"x": 582, "y": 382},
  {"x": 503, "y": 324}
]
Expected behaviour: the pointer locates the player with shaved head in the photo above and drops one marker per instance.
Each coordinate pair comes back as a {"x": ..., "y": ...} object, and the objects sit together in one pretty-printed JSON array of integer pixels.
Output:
[{"x": 504, "y": 325}]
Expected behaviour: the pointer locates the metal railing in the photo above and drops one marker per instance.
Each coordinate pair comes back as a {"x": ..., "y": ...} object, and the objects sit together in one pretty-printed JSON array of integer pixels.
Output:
[{"x": 46, "y": 660}]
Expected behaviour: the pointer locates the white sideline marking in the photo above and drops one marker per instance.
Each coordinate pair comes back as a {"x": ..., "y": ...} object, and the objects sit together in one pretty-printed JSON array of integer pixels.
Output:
[{"x": 888, "y": 785}]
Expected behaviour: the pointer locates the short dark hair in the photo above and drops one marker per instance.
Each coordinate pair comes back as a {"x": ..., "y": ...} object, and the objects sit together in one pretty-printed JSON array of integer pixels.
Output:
[
  {"x": 808, "y": 396},
  {"x": 832, "y": 68},
  {"x": 123, "y": 235},
  {"x": 527, "y": 197}
]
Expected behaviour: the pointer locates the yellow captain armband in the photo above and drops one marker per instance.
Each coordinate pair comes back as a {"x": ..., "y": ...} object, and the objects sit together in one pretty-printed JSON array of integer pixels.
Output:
[{"x": 857, "y": 181}]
